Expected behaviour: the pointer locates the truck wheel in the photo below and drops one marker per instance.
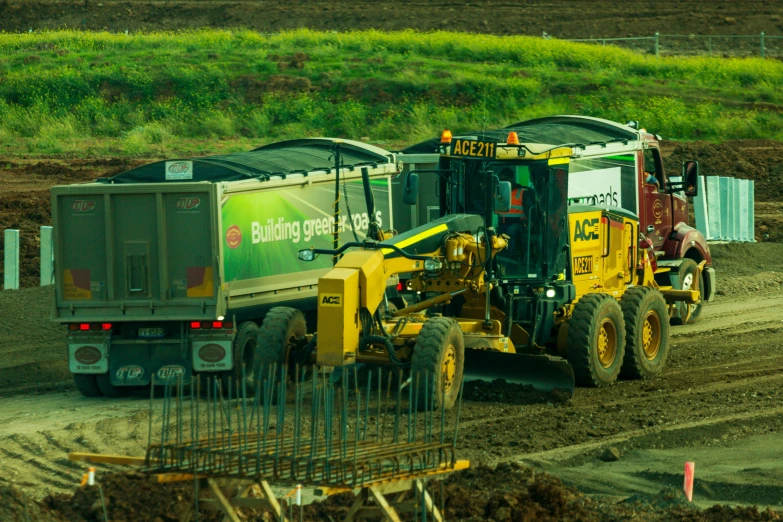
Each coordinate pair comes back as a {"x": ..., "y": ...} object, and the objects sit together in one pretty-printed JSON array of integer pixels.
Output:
[
  {"x": 87, "y": 385},
  {"x": 646, "y": 333},
  {"x": 683, "y": 279},
  {"x": 244, "y": 348},
  {"x": 283, "y": 329},
  {"x": 439, "y": 353},
  {"x": 596, "y": 340},
  {"x": 110, "y": 390}
]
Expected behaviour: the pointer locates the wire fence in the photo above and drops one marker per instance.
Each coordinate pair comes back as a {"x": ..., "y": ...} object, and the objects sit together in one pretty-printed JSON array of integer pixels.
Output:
[{"x": 759, "y": 45}]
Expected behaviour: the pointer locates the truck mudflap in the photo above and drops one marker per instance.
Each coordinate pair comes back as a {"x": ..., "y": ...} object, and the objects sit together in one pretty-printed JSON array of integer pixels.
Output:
[
  {"x": 134, "y": 364},
  {"x": 88, "y": 354},
  {"x": 213, "y": 355}
]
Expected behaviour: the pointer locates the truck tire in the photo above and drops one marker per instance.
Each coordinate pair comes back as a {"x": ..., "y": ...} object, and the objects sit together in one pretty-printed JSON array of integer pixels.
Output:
[
  {"x": 283, "y": 328},
  {"x": 596, "y": 340},
  {"x": 646, "y": 333},
  {"x": 683, "y": 279},
  {"x": 109, "y": 390},
  {"x": 244, "y": 353},
  {"x": 439, "y": 354},
  {"x": 87, "y": 385}
]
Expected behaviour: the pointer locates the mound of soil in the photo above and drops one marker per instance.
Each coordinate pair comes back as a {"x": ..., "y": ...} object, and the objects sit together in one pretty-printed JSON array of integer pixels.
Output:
[
  {"x": 759, "y": 160},
  {"x": 508, "y": 492},
  {"x": 562, "y": 18},
  {"x": 130, "y": 497},
  {"x": 15, "y": 506},
  {"x": 512, "y": 492}
]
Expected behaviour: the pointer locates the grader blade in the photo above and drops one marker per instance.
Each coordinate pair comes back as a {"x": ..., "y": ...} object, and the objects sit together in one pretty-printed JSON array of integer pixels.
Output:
[{"x": 542, "y": 372}]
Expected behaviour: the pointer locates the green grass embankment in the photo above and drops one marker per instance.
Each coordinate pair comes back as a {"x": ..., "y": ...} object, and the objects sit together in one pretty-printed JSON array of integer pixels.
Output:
[{"x": 90, "y": 94}]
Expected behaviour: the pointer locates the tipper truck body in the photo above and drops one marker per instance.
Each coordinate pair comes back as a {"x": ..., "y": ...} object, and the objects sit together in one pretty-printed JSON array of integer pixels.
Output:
[{"x": 166, "y": 271}]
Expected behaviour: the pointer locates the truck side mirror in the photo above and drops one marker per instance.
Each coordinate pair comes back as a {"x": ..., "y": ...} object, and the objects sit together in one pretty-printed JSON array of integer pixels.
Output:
[
  {"x": 503, "y": 198},
  {"x": 690, "y": 177},
  {"x": 410, "y": 193}
]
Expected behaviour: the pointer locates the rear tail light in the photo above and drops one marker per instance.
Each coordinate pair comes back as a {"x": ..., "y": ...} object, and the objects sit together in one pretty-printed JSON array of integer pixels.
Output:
[
  {"x": 210, "y": 325},
  {"x": 105, "y": 326},
  {"x": 84, "y": 327}
]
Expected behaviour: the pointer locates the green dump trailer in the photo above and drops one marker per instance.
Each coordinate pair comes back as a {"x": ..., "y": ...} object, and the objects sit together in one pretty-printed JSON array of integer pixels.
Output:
[{"x": 167, "y": 270}]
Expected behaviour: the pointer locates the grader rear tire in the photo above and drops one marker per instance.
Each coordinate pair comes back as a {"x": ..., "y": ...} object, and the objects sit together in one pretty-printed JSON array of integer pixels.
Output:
[
  {"x": 282, "y": 329},
  {"x": 596, "y": 340},
  {"x": 646, "y": 333},
  {"x": 439, "y": 354}
]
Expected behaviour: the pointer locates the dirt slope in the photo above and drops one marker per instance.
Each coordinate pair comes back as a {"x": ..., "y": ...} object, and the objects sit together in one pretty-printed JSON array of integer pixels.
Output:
[{"x": 563, "y": 18}]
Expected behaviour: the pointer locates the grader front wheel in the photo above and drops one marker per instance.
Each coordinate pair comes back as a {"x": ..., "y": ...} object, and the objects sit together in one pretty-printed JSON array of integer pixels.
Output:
[
  {"x": 439, "y": 354},
  {"x": 282, "y": 330},
  {"x": 596, "y": 340}
]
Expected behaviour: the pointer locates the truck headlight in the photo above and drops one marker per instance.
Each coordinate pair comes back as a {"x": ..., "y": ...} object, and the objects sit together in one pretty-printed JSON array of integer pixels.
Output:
[{"x": 550, "y": 292}]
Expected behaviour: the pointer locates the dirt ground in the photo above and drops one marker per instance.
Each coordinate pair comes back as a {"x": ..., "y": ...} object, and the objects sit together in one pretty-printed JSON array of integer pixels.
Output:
[
  {"x": 562, "y": 18},
  {"x": 719, "y": 403}
]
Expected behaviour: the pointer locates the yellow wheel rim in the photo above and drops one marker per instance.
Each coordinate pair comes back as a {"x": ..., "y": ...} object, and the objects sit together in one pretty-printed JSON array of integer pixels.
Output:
[
  {"x": 651, "y": 335},
  {"x": 607, "y": 343},
  {"x": 449, "y": 367}
]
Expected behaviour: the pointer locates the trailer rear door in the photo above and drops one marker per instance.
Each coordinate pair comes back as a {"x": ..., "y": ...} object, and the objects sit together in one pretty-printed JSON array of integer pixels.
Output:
[{"x": 135, "y": 252}]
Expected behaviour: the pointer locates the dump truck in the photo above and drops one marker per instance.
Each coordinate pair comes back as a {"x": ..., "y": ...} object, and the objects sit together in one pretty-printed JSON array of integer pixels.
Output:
[
  {"x": 167, "y": 270},
  {"x": 609, "y": 167},
  {"x": 550, "y": 296}
]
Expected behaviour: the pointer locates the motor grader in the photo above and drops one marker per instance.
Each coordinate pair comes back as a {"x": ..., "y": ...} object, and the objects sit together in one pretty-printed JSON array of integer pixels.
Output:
[{"x": 549, "y": 296}]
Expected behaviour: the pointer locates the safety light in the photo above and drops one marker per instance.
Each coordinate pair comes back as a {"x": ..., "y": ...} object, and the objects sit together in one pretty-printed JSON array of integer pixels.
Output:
[
  {"x": 105, "y": 326},
  {"x": 512, "y": 138},
  {"x": 195, "y": 325},
  {"x": 84, "y": 327},
  {"x": 445, "y": 137},
  {"x": 217, "y": 324},
  {"x": 400, "y": 287},
  {"x": 306, "y": 255}
]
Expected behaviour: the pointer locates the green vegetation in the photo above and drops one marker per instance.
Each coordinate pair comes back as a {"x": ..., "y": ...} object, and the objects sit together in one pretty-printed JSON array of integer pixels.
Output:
[{"x": 75, "y": 93}]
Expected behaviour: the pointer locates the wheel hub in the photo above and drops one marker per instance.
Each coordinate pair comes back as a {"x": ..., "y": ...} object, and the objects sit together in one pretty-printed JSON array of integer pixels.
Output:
[
  {"x": 607, "y": 343},
  {"x": 449, "y": 367},
  {"x": 651, "y": 335}
]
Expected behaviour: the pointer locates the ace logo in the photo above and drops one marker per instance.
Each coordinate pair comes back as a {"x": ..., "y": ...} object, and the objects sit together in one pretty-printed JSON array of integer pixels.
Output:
[
  {"x": 586, "y": 230},
  {"x": 330, "y": 299}
]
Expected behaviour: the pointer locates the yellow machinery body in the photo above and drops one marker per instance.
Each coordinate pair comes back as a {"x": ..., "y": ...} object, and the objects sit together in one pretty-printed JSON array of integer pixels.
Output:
[{"x": 450, "y": 258}]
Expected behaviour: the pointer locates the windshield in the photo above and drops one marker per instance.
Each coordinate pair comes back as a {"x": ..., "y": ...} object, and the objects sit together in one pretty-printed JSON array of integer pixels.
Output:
[{"x": 537, "y": 220}]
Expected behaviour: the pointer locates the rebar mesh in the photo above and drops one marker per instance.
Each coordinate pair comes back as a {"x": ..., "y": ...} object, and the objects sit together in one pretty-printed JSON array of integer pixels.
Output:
[{"x": 304, "y": 427}]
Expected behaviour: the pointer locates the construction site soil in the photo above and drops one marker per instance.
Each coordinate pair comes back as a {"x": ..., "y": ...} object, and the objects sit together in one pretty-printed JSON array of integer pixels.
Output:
[
  {"x": 612, "y": 453},
  {"x": 562, "y": 18},
  {"x": 618, "y": 451}
]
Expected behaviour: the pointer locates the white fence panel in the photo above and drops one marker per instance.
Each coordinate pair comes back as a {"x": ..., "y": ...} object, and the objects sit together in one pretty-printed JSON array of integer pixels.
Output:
[{"x": 11, "y": 274}]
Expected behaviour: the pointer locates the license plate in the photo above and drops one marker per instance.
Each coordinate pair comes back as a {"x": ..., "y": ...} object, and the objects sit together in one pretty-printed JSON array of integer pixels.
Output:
[
  {"x": 473, "y": 149},
  {"x": 150, "y": 332}
]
